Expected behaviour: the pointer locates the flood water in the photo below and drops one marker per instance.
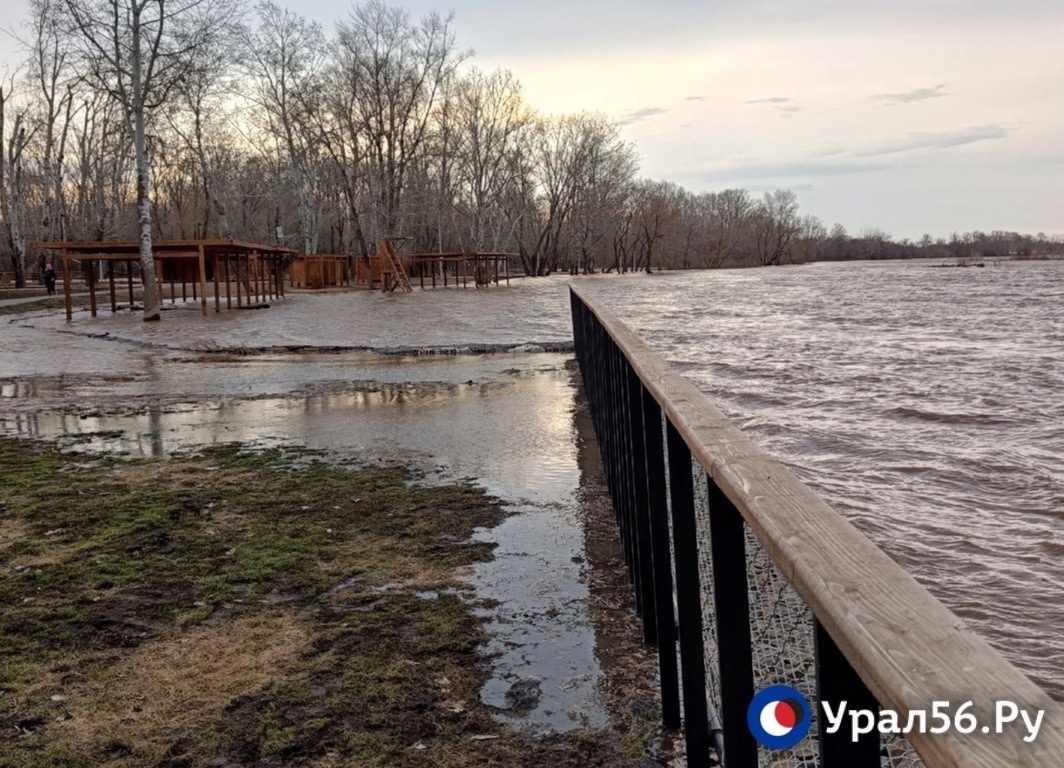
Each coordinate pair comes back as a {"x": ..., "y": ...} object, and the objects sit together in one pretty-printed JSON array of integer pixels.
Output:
[{"x": 923, "y": 403}]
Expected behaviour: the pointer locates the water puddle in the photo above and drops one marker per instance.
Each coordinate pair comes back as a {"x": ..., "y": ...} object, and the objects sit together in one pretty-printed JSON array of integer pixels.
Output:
[{"x": 506, "y": 421}]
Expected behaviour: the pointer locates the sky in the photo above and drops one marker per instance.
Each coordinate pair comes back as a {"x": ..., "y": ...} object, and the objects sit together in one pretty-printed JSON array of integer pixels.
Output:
[{"x": 906, "y": 116}]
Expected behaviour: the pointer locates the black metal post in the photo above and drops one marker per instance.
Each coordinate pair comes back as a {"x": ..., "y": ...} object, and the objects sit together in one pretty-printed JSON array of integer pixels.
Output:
[
  {"x": 640, "y": 504},
  {"x": 661, "y": 557},
  {"x": 732, "y": 602},
  {"x": 838, "y": 682},
  {"x": 688, "y": 601}
]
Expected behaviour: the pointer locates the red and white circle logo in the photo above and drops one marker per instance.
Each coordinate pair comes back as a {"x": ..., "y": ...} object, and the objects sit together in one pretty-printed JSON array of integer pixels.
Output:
[{"x": 778, "y": 717}]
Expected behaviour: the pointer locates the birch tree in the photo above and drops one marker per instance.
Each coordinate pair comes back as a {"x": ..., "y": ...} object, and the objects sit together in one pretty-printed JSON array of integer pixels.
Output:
[{"x": 137, "y": 51}]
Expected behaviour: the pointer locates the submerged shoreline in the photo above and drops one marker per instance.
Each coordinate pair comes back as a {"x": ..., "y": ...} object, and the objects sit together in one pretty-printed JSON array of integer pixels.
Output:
[{"x": 359, "y": 412}]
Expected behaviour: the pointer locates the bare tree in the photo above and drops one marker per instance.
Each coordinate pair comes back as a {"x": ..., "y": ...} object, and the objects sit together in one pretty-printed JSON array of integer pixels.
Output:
[
  {"x": 400, "y": 69},
  {"x": 137, "y": 51},
  {"x": 199, "y": 97},
  {"x": 99, "y": 168},
  {"x": 13, "y": 144},
  {"x": 604, "y": 187},
  {"x": 730, "y": 213},
  {"x": 284, "y": 57},
  {"x": 489, "y": 118},
  {"x": 657, "y": 209},
  {"x": 51, "y": 78},
  {"x": 775, "y": 225}
]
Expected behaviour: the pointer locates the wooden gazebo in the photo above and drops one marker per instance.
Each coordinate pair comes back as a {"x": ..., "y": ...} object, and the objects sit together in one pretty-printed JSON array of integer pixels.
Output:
[{"x": 257, "y": 270}]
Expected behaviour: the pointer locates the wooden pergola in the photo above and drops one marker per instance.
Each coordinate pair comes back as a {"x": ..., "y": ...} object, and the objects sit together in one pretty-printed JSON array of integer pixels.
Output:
[
  {"x": 483, "y": 268},
  {"x": 256, "y": 269}
]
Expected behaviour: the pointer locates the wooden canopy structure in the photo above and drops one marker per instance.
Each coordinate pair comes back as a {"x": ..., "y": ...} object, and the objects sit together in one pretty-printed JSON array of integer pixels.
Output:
[
  {"x": 319, "y": 270},
  {"x": 482, "y": 268},
  {"x": 257, "y": 270}
]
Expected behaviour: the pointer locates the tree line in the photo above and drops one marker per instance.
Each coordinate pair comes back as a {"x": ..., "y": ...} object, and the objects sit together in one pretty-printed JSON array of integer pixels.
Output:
[{"x": 191, "y": 119}]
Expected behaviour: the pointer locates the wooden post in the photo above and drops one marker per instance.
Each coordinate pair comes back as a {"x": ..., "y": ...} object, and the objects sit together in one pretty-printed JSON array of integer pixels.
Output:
[
  {"x": 92, "y": 286},
  {"x": 111, "y": 284},
  {"x": 129, "y": 282},
  {"x": 228, "y": 290},
  {"x": 239, "y": 281},
  {"x": 217, "y": 294},
  {"x": 66, "y": 286},
  {"x": 202, "y": 281}
]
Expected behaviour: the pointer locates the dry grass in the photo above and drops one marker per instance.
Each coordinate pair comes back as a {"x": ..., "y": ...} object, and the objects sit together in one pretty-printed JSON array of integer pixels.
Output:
[
  {"x": 179, "y": 684},
  {"x": 10, "y": 532}
]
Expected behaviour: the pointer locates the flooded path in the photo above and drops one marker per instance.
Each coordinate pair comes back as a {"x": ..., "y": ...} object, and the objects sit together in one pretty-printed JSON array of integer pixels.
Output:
[{"x": 505, "y": 421}]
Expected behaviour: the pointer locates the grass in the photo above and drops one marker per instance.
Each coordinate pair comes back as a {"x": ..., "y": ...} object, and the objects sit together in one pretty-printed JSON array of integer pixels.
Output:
[{"x": 235, "y": 608}]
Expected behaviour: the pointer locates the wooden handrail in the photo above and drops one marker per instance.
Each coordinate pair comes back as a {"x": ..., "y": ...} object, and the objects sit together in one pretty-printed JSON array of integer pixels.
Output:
[{"x": 908, "y": 648}]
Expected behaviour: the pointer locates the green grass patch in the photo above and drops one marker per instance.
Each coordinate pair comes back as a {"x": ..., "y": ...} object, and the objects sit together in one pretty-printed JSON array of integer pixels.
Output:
[{"x": 241, "y": 608}]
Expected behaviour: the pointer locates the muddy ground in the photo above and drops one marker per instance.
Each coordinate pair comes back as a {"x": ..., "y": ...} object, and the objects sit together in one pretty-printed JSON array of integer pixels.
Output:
[{"x": 237, "y": 605}]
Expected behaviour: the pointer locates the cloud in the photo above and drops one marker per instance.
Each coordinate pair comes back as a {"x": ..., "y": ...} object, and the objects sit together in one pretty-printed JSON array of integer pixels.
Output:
[
  {"x": 937, "y": 140},
  {"x": 640, "y": 114},
  {"x": 771, "y": 100},
  {"x": 757, "y": 188},
  {"x": 787, "y": 170},
  {"x": 917, "y": 94},
  {"x": 695, "y": 98}
]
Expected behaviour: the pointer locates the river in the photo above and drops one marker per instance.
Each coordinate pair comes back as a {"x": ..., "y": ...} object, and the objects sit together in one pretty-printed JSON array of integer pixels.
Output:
[{"x": 923, "y": 403}]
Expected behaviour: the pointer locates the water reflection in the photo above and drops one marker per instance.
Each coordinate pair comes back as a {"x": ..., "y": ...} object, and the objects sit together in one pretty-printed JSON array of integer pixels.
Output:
[{"x": 513, "y": 432}]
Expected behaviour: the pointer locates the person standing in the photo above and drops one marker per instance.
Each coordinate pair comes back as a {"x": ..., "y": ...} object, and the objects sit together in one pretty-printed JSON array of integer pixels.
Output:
[{"x": 49, "y": 279}]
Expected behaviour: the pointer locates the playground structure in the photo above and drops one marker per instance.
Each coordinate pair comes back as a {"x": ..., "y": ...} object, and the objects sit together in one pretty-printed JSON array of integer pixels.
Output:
[{"x": 254, "y": 272}]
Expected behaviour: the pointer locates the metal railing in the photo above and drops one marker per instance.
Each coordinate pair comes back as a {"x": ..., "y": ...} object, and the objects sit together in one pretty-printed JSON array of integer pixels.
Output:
[{"x": 756, "y": 581}]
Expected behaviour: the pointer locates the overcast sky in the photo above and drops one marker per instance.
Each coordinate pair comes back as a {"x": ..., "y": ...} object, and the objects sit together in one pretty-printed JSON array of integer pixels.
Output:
[{"x": 910, "y": 116}]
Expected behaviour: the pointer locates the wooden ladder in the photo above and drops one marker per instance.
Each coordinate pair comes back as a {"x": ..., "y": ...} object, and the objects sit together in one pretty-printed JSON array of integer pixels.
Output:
[{"x": 391, "y": 263}]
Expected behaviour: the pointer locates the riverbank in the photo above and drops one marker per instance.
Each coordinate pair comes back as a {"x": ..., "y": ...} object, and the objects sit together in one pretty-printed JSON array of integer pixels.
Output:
[
  {"x": 418, "y": 552},
  {"x": 268, "y": 607}
]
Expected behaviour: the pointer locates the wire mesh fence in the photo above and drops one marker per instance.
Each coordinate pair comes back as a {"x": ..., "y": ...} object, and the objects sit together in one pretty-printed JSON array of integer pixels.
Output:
[{"x": 782, "y": 635}]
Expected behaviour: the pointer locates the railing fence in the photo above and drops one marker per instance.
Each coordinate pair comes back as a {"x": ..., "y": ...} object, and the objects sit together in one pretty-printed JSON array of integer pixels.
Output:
[{"x": 736, "y": 563}]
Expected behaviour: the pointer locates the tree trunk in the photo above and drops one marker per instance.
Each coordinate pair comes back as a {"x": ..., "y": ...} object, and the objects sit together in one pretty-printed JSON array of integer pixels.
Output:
[{"x": 152, "y": 308}]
